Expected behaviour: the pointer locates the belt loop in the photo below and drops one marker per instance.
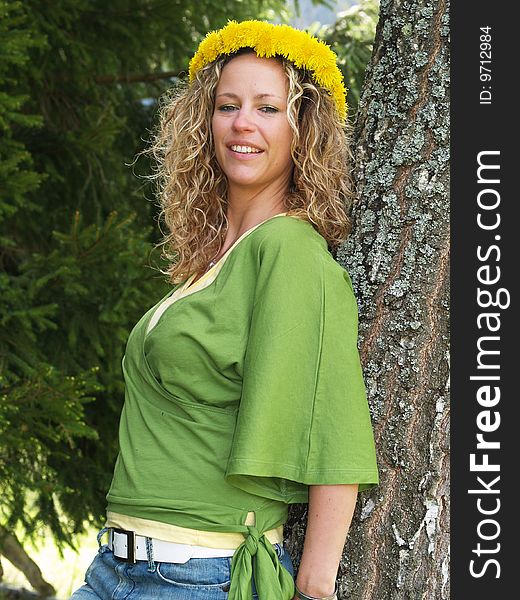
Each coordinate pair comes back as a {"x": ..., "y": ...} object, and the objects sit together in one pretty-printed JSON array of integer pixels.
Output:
[
  {"x": 149, "y": 555},
  {"x": 101, "y": 534}
]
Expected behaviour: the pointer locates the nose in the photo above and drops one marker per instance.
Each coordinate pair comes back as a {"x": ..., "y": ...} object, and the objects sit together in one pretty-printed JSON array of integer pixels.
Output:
[{"x": 243, "y": 120}]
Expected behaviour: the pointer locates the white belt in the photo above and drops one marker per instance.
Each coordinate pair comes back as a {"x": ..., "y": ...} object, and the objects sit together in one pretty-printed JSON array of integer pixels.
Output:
[{"x": 129, "y": 546}]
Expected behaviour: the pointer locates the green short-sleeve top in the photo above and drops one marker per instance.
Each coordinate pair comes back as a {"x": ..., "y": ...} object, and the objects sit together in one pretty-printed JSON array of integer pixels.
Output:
[{"x": 246, "y": 391}]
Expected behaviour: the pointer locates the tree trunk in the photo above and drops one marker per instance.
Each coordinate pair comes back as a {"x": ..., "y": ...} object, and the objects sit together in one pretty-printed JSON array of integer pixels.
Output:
[
  {"x": 398, "y": 257},
  {"x": 13, "y": 550}
]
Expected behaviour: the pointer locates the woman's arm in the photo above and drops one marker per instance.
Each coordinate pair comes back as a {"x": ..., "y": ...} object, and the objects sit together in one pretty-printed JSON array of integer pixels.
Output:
[{"x": 330, "y": 512}]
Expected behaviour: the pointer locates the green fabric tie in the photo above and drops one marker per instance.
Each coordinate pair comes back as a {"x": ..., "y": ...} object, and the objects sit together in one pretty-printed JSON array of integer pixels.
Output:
[{"x": 272, "y": 580}]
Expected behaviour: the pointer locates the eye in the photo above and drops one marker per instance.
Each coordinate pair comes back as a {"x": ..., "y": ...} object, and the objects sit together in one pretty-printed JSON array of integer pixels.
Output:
[
  {"x": 226, "y": 108},
  {"x": 269, "y": 109}
]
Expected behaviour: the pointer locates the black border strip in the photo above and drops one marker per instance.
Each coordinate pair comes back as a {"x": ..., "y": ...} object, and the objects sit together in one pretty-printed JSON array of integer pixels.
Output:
[{"x": 488, "y": 128}]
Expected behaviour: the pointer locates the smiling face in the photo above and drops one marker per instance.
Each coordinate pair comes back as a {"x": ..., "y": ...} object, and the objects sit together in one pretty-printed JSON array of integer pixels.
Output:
[{"x": 251, "y": 133}]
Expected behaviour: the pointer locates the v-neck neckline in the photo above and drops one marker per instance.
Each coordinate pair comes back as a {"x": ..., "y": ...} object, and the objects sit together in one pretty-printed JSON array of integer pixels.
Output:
[
  {"x": 188, "y": 288},
  {"x": 218, "y": 264}
]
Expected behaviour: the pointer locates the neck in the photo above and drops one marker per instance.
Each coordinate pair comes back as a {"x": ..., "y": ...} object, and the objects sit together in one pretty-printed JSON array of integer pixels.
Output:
[{"x": 245, "y": 209}]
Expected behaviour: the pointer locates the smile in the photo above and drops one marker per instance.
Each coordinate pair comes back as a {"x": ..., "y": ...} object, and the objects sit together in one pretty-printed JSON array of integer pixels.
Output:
[{"x": 245, "y": 149}]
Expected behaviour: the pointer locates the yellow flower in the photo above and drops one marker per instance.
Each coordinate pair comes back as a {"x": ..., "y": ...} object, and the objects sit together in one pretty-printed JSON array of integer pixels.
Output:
[{"x": 267, "y": 40}]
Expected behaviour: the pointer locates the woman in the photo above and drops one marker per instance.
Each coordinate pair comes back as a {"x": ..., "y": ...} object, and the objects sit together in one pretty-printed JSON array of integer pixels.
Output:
[{"x": 244, "y": 390}]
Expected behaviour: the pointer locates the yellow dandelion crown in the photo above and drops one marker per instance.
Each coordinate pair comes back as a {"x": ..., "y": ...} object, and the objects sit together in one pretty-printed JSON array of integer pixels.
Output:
[{"x": 268, "y": 40}]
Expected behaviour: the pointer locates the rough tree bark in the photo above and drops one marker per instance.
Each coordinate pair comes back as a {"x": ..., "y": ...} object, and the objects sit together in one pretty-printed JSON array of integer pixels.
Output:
[{"x": 398, "y": 257}]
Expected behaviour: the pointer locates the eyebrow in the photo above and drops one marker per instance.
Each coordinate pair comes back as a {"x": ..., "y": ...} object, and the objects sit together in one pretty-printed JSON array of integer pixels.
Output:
[{"x": 257, "y": 97}]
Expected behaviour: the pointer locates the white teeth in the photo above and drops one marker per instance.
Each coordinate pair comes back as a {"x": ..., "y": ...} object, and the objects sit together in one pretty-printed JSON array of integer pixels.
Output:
[{"x": 244, "y": 149}]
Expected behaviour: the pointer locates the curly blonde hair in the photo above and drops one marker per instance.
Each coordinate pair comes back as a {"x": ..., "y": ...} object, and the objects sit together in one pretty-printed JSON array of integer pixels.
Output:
[{"x": 192, "y": 187}]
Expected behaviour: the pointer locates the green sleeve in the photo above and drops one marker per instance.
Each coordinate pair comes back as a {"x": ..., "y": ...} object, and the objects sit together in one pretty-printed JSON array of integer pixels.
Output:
[{"x": 303, "y": 417}]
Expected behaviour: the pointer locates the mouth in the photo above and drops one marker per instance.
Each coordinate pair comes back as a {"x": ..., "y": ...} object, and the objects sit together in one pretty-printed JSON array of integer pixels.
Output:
[{"x": 244, "y": 149}]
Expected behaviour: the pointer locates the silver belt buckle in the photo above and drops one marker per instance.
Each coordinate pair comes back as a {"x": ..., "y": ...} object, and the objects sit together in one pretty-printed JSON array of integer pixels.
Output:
[{"x": 130, "y": 544}]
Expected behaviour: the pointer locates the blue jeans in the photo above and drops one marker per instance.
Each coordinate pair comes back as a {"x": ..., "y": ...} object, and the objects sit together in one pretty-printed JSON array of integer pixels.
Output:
[{"x": 109, "y": 578}]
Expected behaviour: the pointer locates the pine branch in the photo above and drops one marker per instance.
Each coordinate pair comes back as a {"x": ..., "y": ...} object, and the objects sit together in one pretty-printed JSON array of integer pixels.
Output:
[{"x": 137, "y": 77}]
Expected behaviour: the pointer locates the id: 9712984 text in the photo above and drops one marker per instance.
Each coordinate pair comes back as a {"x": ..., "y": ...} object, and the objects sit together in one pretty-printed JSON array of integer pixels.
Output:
[{"x": 485, "y": 65}]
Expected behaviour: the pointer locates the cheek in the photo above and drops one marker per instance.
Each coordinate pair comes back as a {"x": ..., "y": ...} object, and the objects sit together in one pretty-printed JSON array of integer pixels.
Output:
[
  {"x": 216, "y": 132},
  {"x": 285, "y": 144},
  {"x": 214, "y": 128}
]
